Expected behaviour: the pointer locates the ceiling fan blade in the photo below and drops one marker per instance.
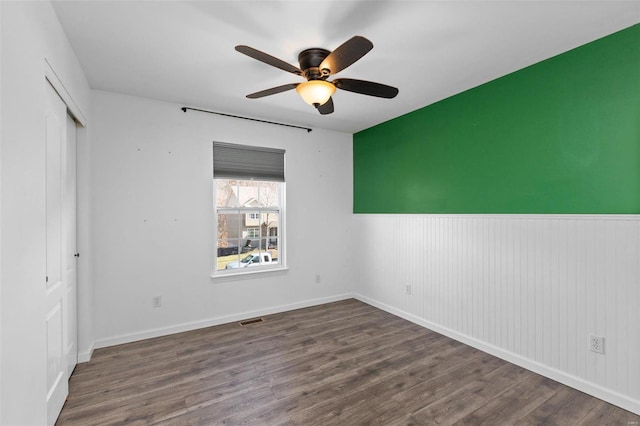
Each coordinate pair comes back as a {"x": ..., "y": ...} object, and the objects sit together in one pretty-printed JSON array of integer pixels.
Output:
[
  {"x": 326, "y": 108},
  {"x": 366, "y": 87},
  {"x": 346, "y": 54},
  {"x": 268, "y": 59},
  {"x": 272, "y": 91}
]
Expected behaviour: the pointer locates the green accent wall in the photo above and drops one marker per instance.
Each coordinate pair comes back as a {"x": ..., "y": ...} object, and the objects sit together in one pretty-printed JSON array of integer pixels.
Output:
[{"x": 560, "y": 136}]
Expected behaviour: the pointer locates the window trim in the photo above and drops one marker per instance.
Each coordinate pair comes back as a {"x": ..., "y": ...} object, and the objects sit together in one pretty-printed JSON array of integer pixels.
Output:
[
  {"x": 261, "y": 272},
  {"x": 236, "y": 274},
  {"x": 246, "y": 162}
]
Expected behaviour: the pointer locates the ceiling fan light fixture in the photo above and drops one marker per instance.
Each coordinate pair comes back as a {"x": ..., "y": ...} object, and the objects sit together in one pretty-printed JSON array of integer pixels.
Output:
[
  {"x": 316, "y": 92},
  {"x": 316, "y": 65}
]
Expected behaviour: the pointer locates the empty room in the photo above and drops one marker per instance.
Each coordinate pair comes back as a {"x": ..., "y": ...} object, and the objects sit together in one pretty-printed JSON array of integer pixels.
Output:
[{"x": 319, "y": 212}]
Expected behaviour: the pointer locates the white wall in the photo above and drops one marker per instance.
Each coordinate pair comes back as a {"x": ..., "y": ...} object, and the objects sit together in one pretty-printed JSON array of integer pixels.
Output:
[
  {"x": 152, "y": 220},
  {"x": 526, "y": 288},
  {"x": 30, "y": 33}
]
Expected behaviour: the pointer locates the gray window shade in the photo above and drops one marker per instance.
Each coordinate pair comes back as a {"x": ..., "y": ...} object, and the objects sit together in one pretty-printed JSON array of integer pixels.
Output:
[{"x": 247, "y": 162}]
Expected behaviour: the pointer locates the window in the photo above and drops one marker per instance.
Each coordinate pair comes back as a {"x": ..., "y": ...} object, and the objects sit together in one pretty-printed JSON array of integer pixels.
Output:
[{"x": 249, "y": 211}]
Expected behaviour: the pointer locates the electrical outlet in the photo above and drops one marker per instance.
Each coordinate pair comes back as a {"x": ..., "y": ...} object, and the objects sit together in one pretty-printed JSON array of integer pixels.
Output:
[
  {"x": 596, "y": 344},
  {"x": 317, "y": 279},
  {"x": 407, "y": 289},
  {"x": 157, "y": 301}
]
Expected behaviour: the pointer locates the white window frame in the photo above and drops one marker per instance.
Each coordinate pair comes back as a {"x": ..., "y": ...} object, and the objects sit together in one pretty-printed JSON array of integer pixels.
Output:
[
  {"x": 249, "y": 163},
  {"x": 256, "y": 270}
]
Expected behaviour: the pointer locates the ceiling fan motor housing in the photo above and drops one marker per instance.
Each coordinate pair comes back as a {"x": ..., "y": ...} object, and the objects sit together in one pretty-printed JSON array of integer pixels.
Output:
[{"x": 310, "y": 60}]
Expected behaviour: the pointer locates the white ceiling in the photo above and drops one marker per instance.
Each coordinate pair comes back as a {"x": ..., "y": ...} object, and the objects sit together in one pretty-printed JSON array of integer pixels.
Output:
[{"x": 183, "y": 51}]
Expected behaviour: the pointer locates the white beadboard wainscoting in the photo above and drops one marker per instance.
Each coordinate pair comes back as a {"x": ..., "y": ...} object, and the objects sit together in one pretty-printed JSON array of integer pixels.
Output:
[{"x": 526, "y": 288}]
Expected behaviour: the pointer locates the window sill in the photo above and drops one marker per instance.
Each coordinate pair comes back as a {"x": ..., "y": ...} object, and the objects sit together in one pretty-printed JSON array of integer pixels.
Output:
[{"x": 234, "y": 276}]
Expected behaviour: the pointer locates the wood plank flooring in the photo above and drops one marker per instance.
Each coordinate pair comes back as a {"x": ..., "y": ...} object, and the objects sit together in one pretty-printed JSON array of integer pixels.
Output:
[{"x": 343, "y": 363}]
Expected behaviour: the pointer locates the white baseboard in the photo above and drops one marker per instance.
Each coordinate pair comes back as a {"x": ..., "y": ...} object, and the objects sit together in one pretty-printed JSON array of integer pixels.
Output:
[
  {"x": 582, "y": 385},
  {"x": 157, "y": 332},
  {"x": 86, "y": 356}
]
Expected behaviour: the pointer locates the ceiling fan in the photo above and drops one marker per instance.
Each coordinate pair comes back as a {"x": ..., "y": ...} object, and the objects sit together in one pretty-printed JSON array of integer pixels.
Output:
[{"x": 316, "y": 65}]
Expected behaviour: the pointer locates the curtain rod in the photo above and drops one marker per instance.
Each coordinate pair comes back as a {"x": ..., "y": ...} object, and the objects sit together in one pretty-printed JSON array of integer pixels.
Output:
[{"x": 184, "y": 109}]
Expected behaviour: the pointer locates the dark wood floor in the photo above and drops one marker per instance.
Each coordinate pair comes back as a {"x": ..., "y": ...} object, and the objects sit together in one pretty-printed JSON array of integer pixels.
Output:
[{"x": 343, "y": 363}]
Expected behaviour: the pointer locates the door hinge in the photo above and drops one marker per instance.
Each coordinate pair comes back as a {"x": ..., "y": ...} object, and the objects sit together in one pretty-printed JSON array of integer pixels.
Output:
[{"x": 46, "y": 279}]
